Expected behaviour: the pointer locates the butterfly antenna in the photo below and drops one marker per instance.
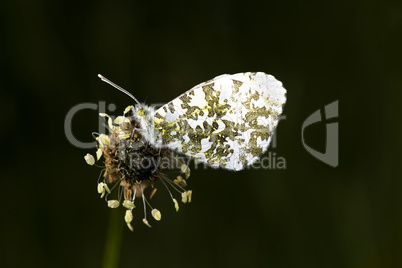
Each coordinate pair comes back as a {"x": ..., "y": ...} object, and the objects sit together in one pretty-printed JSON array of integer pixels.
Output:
[{"x": 104, "y": 79}]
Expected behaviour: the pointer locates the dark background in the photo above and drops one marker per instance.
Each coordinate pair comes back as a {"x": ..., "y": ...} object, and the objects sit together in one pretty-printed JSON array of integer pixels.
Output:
[{"x": 309, "y": 215}]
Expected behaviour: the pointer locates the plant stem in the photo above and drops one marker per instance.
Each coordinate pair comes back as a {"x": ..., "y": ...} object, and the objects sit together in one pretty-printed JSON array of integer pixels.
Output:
[{"x": 113, "y": 239}]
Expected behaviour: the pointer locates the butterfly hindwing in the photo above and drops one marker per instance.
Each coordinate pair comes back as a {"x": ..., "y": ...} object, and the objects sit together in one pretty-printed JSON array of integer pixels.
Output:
[{"x": 225, "y": 122}]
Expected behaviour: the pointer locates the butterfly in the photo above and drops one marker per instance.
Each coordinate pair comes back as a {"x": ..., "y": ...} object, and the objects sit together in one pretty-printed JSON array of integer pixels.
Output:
[{"x": 226, "y": 122}]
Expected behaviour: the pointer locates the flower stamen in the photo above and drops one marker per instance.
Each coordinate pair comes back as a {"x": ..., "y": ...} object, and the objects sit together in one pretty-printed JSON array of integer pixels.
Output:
[
  {"x": 176, "y": 205},
  {"x": 144, "y": 220}
]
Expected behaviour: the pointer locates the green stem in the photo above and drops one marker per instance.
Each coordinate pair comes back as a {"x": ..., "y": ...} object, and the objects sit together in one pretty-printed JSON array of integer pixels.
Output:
[{"x": 113, "y": 240}]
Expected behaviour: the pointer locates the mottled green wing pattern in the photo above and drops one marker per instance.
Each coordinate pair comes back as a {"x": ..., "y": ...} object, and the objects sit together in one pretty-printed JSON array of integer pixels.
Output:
[{"x": 226, "y": 122}]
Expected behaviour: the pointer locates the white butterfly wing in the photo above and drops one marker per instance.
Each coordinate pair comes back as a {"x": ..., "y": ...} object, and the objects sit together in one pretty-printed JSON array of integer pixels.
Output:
[{"x": 225, "y": 122}]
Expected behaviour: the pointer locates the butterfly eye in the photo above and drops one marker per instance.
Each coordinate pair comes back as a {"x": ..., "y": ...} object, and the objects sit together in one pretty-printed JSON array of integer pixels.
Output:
[{"x": 141, "y": 112}]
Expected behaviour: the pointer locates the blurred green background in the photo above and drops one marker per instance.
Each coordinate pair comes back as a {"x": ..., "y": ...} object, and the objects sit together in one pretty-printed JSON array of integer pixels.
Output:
[{"x": 308, "y": 215}]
